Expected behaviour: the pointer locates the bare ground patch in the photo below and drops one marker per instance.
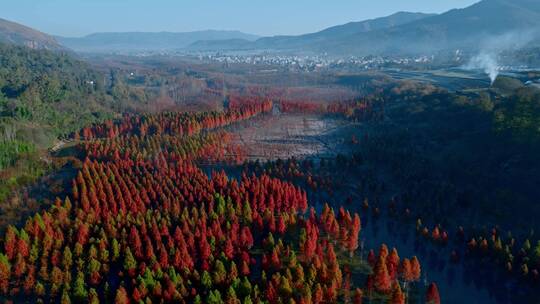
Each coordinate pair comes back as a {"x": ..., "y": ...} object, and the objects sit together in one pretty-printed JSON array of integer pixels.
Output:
[{"x": 292, "y": 135}]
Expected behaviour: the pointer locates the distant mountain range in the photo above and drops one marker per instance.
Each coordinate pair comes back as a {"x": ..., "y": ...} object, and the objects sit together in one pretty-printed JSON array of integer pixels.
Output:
[
  {"x": 314, "y": 39},
  {"x": 402, "y": 33},
  {"x": 147, "y": 41},
  {"x": 17, "y": 34},
  {"x": 406, "y": 32}
]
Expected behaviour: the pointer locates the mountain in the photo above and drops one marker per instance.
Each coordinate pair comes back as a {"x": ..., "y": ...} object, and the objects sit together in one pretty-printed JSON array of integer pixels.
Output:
[
  {"x": 342, "y": 31},
  {"x": 17, "y": 34},
  {"x": 146, "y": 41},
  {"x": 293, "y": 42},
  {"x": 407, "y": 33},
  {"x": 475, "y": 26}
]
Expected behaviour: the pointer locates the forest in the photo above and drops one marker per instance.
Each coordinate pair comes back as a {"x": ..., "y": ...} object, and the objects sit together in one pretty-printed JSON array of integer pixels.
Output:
[
  {"x": 146, "y": 224},
  {"x": 128, "y": 180}
]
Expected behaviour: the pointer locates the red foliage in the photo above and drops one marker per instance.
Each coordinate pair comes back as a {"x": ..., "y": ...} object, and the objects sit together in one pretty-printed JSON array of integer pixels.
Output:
[
  {"x": 382, "y": 280},
  {"x": 141, "y": 206},
  {"x": 432, "y": 294}
]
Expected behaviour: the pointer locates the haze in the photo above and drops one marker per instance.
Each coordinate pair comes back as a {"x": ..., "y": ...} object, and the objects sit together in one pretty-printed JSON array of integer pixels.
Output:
[{"x": 81, "y": 17}]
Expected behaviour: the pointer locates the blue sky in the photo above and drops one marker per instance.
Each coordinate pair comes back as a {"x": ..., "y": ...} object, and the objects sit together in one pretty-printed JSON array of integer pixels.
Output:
[{"x": 263, "y": 17}]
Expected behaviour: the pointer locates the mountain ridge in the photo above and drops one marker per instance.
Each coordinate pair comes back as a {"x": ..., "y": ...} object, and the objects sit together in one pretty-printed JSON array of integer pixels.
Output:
[
  {"x": 465, "y": 28},
  {"x": 18, "y": 34},
  {"x": 313, "y": 38},
  {"x": 468, "y": 27},
  {"x": 149, "y": 41}
]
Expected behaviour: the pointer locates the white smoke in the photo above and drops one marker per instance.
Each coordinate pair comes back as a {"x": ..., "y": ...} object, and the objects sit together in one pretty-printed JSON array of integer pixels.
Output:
[
  {"x": 491, "y": 48},
  {"x": 486, "y": 62}
]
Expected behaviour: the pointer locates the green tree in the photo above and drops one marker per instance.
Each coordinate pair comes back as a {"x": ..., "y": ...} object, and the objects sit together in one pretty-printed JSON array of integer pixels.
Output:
[
  {"x": 130, "y": 264},
  {"x": 285, "y": 287},
  {"x": 231, "y": 296},
  {"x": 537, "y": 253},
  {"x": 246, "y": 212},
  {"x": 93, "y": 297},
  {"x": 245, "y": 287},
  {"x": 65, "y": 297},
  {"x": 115, "y": 250},
  {"x": 67, "y": 258},
  {"x": 206, "y": 280},
  {"x": 214, "y": 297},
  {"x": 79, "y": 288},
  {"x": 219, "y": 273}
]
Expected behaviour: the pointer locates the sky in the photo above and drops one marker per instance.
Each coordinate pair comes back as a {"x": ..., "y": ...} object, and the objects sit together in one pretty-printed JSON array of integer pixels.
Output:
[{"x": 73, "y": 18}]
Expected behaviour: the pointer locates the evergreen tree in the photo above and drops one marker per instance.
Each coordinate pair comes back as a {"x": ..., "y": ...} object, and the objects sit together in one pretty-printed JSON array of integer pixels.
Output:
[
  {"x": 382, "y": 280},
  {"x": 79, "y": 287},
  {"x": 432, "y": 294},
  {"x": 130, "y": 264},
  {"x": 206, "y": 280},
  {"x": 397, "y": 295},
  {"x": 121, "y": 296}
]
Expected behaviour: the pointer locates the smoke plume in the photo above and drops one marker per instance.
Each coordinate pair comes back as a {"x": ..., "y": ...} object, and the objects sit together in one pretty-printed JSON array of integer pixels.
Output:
[
  {"x": 486, "y": 62},
  {"x": 488, "y": 57}
]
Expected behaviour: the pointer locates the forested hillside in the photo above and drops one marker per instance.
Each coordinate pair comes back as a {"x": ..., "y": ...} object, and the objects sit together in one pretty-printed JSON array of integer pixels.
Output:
[
  {"x": 46, "y": 88},
  {"x": 44, "y": 95}
]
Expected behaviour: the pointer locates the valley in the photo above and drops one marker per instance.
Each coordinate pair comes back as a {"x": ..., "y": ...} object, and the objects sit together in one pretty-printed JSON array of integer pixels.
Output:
[
  {"x": 358, "y": 155},
  {"x": 391, "y": 160}
]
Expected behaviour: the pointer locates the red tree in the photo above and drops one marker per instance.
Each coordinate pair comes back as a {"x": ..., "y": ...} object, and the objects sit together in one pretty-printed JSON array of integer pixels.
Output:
[
  {"x": 357, "y": 299},
  {"x": 432, "y": 294},
  {"x": 397, "y": 295},
  {"x": 352, "y": 244},
  {"x": 121, "y": 296},
  {"x": 415, "y": 269},
  {"x": 382, "y": 280}
]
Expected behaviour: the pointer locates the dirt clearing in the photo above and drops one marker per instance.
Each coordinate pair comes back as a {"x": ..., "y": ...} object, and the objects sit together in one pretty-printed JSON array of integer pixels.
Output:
[{"x": 270, "y": 137}]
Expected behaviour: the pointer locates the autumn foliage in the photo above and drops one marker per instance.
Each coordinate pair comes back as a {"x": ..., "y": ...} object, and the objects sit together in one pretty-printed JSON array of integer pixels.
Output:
[{"x": 143, "y": 222}]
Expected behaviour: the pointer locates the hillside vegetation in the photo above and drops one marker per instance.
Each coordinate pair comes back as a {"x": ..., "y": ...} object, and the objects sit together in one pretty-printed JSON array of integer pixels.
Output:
[{"x": 43, "y": 96}]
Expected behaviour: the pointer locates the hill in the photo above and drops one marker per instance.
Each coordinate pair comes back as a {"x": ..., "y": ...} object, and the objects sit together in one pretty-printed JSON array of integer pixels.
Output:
[
  {"x": 146, "y": 41},
  {"x": 14, "y": 33},
  {"x": 43, "y": 95}
]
